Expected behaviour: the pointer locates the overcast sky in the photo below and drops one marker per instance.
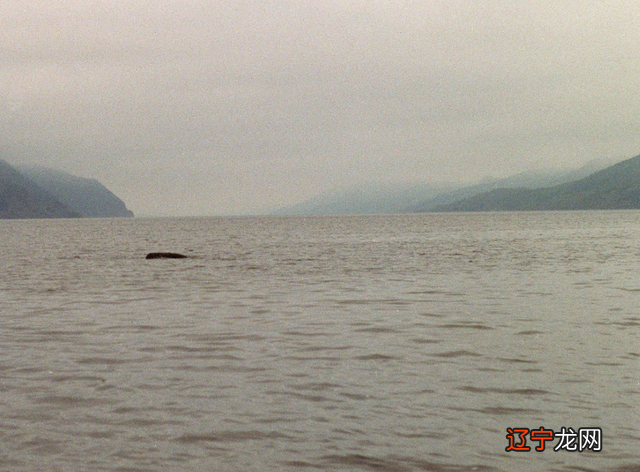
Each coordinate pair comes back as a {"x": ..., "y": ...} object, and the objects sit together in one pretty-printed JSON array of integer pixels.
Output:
[{"x": 216, "y": 107}]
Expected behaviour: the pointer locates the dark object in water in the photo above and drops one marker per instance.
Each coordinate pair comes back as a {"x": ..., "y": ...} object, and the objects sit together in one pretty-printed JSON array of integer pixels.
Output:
[{"x": 165, "y": 255}]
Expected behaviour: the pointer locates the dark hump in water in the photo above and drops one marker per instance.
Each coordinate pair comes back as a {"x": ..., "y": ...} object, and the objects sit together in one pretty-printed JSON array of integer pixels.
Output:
[{"x": 165, "y": 255}]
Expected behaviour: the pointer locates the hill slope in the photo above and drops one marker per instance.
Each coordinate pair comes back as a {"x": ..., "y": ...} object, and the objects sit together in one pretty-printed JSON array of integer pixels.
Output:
[
  {"x": 398, "y": 197},
  {"x": 22, "y": 198},
  {"x": 616, "y": 187},
  {"x": 530, "y": 179},
  {"x": 87, "y": 197}
]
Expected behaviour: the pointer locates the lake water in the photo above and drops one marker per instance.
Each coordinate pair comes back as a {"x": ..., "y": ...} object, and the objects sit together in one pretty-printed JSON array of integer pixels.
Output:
[{"x": 379, "y": 343}]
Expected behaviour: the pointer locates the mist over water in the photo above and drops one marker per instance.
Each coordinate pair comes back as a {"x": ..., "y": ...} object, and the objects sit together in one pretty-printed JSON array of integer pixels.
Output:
[{"x": 382, "y": 343}]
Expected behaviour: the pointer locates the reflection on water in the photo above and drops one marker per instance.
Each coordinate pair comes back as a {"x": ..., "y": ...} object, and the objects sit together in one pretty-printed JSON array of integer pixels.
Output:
[{"x": 383, "y": 343}]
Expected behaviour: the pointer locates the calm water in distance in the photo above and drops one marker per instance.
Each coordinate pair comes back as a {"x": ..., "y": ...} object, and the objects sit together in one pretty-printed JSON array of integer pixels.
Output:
[{"x": 369, "y": 343}]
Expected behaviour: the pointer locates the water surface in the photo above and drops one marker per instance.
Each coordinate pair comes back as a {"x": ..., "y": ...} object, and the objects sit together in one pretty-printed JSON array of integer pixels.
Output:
[{"x": 382, "y": 343}]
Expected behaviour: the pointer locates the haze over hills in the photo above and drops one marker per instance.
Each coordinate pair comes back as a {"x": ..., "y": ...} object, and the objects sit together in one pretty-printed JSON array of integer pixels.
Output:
[
  {"x": 616, "y": 187},
  {"x": 45, "y": 193},
  {"x": 379, "y": 197},
  {"x": 529, "y": 179},
  {"x": 85, "y": 196},
  {"x": 22, "y": 198},
  {"x": 38, "y": 192},
  {"x": 369, "y": 198}
]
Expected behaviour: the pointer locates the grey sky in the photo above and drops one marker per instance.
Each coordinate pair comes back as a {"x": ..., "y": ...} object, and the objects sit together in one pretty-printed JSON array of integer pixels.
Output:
[{"x": 209, "y": 107}]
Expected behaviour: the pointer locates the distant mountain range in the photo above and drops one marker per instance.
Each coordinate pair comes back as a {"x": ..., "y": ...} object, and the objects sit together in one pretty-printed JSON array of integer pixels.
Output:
[
  {"x": 530, "y": 179},
  {"x": 616, "y": 187},
  {"x": 405, "y": 198},
  {"x": 39, "y": 192},
  {"x": 367, "y": 199}
]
